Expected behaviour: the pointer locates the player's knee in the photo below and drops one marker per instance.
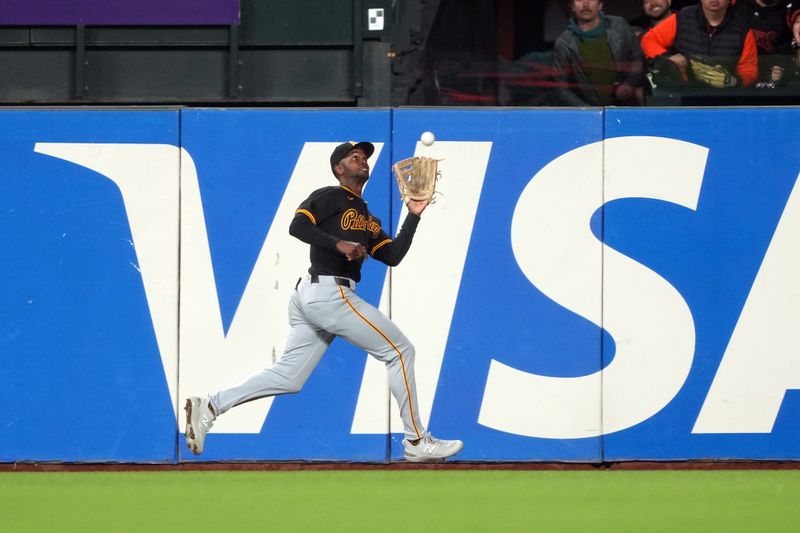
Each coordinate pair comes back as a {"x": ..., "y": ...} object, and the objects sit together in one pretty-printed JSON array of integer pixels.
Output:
[
  {"x": 292, "y": 386},
  {"x": 287, "y": 383},
  {"x": 395, "y": 352},
  {"x": 409, "y": 352}
]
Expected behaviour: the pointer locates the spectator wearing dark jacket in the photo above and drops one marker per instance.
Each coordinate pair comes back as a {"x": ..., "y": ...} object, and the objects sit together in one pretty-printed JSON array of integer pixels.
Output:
[
  {"x": 597, "y": 60},
  {"x": 767, "y": 20},
  {"x": 784, "y": 65},
  {"x": 706, "y": 30}
]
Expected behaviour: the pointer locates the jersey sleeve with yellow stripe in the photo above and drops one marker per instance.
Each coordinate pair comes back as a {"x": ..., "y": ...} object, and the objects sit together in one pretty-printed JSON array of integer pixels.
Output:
[
  {"x": 307, "y": 213},
  {"x": 378, "y": 241},
  {"x": 392, "y": 251},
  {"x": 320, "y": 206}
]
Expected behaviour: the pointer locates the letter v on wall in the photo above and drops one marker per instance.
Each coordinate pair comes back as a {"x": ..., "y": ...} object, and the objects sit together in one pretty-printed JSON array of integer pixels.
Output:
[{"x": 210, "y": 360}]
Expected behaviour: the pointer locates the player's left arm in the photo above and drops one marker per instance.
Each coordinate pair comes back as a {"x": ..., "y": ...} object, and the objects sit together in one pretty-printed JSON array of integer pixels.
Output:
[{"x": 392, "y": 251}]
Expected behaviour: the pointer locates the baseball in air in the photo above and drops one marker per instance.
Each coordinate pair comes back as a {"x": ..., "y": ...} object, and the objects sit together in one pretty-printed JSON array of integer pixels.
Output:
[{"x": 427, "y": 138}]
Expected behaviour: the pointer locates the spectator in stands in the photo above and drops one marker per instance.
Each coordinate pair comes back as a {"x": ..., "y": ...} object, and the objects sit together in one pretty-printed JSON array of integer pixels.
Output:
[
  {"x": 767, "y": 20},
  {"x": 707, "y": 33},
  {"x": 596, "y": 59},
  {"x": 653, "y": 12},
  {"x": 784, "y": 66}
]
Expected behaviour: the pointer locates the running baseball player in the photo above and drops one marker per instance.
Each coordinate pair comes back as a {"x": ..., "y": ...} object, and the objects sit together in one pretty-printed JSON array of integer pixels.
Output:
[{"x": 336, "y": 223}]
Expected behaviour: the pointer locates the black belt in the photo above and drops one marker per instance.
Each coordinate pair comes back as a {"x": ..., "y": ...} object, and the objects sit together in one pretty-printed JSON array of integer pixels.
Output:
[{"x": 344, "y": 282}]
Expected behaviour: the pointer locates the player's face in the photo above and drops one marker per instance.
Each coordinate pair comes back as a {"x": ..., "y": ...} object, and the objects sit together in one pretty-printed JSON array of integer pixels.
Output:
[
  {"x": 655, "y": 9},
  {"x": 355, "y": 165},
  {"x": 586, "y": 10},
  {"x": 796, "y": 29}
]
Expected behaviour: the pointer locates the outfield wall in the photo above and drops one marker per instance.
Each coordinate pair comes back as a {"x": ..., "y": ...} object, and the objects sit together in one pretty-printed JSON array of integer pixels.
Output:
[{"x": 591, "y": 285}]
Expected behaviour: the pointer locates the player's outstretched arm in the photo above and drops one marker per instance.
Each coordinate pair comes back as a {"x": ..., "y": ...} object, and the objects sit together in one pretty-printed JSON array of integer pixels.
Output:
[
  {"x": 391, "y": 252},
  {"x": 416, "y": 207}
]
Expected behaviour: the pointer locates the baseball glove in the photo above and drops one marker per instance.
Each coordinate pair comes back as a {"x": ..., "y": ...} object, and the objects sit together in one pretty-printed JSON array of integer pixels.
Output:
[
  {"x": 416, "y": 178},
  {"x": 713, "y": 75}
]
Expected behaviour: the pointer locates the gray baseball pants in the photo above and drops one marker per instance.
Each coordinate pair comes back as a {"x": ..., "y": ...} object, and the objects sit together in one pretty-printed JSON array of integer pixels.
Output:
[{"x": 319, "y": 312}]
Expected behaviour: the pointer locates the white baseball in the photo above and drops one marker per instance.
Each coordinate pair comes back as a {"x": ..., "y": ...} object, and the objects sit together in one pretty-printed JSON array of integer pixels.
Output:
[{"x": 427, "y": 138}]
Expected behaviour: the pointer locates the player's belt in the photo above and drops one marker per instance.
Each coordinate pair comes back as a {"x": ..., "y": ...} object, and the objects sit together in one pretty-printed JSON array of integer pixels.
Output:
[{"x": 344, "y": 282}]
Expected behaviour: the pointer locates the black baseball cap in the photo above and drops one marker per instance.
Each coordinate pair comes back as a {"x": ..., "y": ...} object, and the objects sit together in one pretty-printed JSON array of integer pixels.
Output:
[{"x": 345, "y": 148}]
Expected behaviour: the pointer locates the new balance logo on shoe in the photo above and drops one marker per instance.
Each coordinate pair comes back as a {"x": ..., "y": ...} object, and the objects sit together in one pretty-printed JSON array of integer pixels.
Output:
[
  {"x": 199, "y": 420},
  {"x": 429, "y": 449}
]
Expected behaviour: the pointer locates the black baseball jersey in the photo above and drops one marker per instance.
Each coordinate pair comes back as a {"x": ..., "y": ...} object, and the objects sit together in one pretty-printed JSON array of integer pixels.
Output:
[
  {"x": 336, "y": 213},
  {"x": 767, "y": 23}
]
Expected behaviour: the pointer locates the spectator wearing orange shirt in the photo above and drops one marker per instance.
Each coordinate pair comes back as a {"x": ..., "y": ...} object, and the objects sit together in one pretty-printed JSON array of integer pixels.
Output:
[{"x": 705, "y": 30}]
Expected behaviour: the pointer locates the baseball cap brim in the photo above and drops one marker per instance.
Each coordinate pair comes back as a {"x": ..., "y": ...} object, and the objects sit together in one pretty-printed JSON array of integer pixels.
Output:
[{"x": 343, "y": 149}]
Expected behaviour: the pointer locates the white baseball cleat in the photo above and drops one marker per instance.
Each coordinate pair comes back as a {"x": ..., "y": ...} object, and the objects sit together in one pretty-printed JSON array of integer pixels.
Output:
[
  {"x": 199, "y": 420},
  {"x": 429, "y": 449}
]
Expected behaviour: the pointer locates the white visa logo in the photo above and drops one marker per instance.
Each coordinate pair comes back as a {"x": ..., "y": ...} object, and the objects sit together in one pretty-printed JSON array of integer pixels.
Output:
[{"x": 761, "y": 362}]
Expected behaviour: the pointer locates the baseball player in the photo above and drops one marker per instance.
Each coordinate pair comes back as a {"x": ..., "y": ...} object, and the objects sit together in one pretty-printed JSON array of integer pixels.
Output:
[{"x": 336, "y": 223}]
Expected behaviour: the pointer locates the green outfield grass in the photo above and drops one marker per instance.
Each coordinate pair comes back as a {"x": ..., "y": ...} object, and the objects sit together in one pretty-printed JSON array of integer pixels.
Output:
[{"x": 381, "y": 501}]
